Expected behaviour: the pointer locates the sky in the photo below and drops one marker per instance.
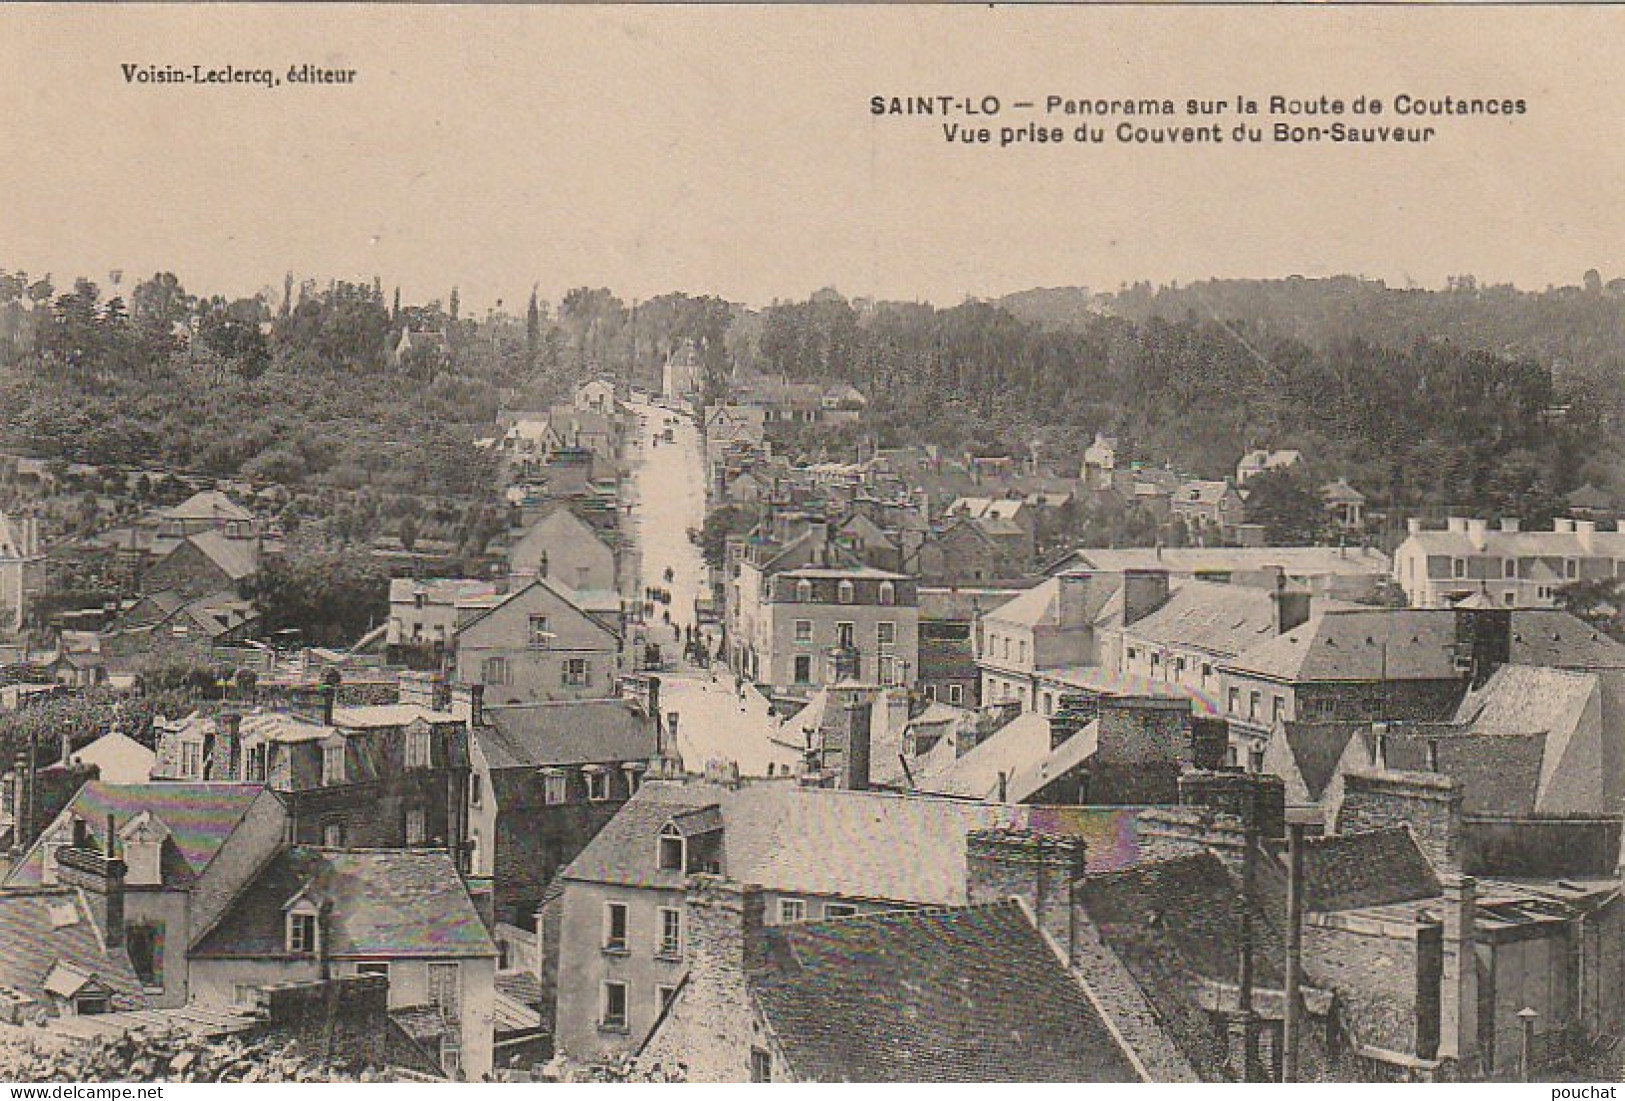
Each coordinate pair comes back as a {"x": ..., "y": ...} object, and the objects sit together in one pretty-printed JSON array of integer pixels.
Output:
[{"x": 731, "y": 150}]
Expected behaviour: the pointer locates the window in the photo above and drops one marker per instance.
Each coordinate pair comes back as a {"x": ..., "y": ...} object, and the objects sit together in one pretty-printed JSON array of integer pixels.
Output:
[
  {"x": 1255, "y": 760},
  {"x": 555, "y": 788},
  {"x": 538, "y": 634},
  {"x": 1571, "y": 568},
  {"x": 666, "y": 994},
  {"x": 301, "y": 933},
  {"x": 888, "y": 669},
  {"x": 839, "y": 909},
  {"x": 191, "y": 760},
  {"x": 931, "y": 692},
  {"x": 671, "y": 934},
  {"x": 1207, "y": 671},
  {"x": 803, "y": 668},
  {"x": 577, "y": 673},
  {"x": 614, "y": 1007},
  {"x": 1133, "y": 653},
  {"x": 804, "y": 591},
  {"x": 597, "y": 784},
  {"x": 475, "y": 789},
  {"x": 1021, "y": 651},
  {"x": 494, "y": 671},
  {"x": 445, "y": 989},
  {"x": 418, "y": 743},
  {"x": 761, "y": 1065},
  {"x": 1510, "y": 570},
  {"x": 145, "y": 944},
  {"x": 417, "y": 826},
  {"x": 1458, "y": 567},
  {"x": 1235, "y": 701},
  {"x": 1049, "y": 703},
  {"x": 845, "y": 635},
  {"x": 1255, "y": 700},
  {"x": 334, "y": 834},
  {"x": 886, "y": 633},
  {"x": 1278, "y": 709},
  {"x": 956, "y": 694},
  {"x": 792, "y": 909},
  {"x": 672, "y": 846},
  {"x": 614, "y": 926},
  {"x": 333, "y": 764},
  {"x": 373, "y": 968},
  {"x": 803, "y": 630},
  {"x": 844, "y": 592},
  {"x": 888, "y": 593},
  {"x": 1006, "y": 641}
]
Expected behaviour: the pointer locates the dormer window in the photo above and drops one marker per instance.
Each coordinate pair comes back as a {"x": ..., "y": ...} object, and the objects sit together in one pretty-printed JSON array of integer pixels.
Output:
[
  {"x": 419, "y": 742},
  {"x": 333, "y": 763},
  {"x": 302, "y": 931},
  {"x": 597, "y": 783},
  {"x": 888, "y": 593},
  {"x": 673, "y": 850},
  {"x": 555, "y": 787},
  {"x": 804, "y": 591},
  {"x": 845, "y": 593}
]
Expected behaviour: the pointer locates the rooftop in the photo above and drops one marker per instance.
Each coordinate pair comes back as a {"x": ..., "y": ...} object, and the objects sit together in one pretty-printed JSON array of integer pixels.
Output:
[{"x": 964, "y": 995}]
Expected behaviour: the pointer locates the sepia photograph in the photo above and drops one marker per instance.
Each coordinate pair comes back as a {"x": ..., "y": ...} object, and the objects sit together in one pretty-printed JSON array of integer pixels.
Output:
[{"x": 811, "y": 544}]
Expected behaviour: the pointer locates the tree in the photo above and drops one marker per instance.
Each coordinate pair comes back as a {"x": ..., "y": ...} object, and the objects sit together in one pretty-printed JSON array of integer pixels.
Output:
[
  {"x": 1290, "y": 512},
  {"x": 719, "y": 525},
  {"x": 1600, "y": 602}
]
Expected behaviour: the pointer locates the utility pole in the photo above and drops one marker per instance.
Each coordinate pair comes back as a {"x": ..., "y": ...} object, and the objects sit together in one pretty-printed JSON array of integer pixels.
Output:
[
  {"x": 1293, "y": 1019},
  {"x": 1249, "y": 1034}
]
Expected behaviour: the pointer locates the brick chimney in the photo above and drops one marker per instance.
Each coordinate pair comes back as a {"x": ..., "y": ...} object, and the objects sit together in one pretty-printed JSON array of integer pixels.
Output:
[
  {"x": 101, "y": 878},
  {"x": 1144, "y": 591},
  {"x": 1072, "y": 713},
  {"x": 1428, "y": 803},
  {"x": 1037, "y": 868},
  {"x": 1228, "y": 791},
  {"x": 724, "y": 943}
]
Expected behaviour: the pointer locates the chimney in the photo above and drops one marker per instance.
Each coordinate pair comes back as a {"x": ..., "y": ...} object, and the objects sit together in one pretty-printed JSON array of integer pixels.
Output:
[
  {"x": 1144, "y": 591},
  {"x": 820, "y": 541},
  {"x": 1587, "y": 531},
  {"x": 1429, "y": 803},
  {"x": 1483, "y": 641},
  {"x": 724, "y": 944},
  {"x": 101, "y": 878},
  {"x": 1413, "y": 525},
  {"x": 1563, "y": 525},
  {"x": 468, "y": 704},
  {"x": 1292, "y": 606},
  {"x": 1072, "y": 599},
  {"x": 1509, "y": 524},
  {"x": 328, "y": 693},
  {"x": 229, "y": 745},
  {"x": 1456, "y": 525},
  {"x": 1039, "y": 869},
  {"x": 855, "y": 756},
  {"x": 1476, "y": 533},
  {"x": 1072, "y": 713},
  {"x": 1458, "y": 994}
]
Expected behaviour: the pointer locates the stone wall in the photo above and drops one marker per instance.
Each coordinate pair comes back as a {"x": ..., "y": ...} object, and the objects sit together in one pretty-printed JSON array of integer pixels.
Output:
[{"x": 1430, "y": 804}]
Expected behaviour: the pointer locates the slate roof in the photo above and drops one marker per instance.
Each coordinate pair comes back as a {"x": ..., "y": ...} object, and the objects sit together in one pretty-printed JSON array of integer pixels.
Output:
[
  {"x": 1217, "y": 617},
  {"x": 1500, "y": 774},
  {"x": 200, "y": 818},
  {"x": 439, "y": 590},
  {"x": 385, "y": 902},
  {"x": 966, "y": 995},
  {"x": 384, "y": 715},
  {"x": 565, "y": 732},
  {"x": 208, "y": 505},
  {"x": 1316, "y": 748},
  {"x": 1417, "y": 644},
  {"x": 1039, "y": 605},
  {"x": 1175, "y": 926},
  {"x": 44, "y": 928},
  {"x": 833, "y": 842},
  {"x": 1376, "y": 868},
  {"x": 1017, "y": 745},
  {"x": 1296, "y": 561},
  {"x": 236, "y": 558}
]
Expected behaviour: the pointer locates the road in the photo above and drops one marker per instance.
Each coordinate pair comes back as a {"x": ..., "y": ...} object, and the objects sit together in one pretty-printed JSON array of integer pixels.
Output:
[{"x": 715, "y": 723}]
